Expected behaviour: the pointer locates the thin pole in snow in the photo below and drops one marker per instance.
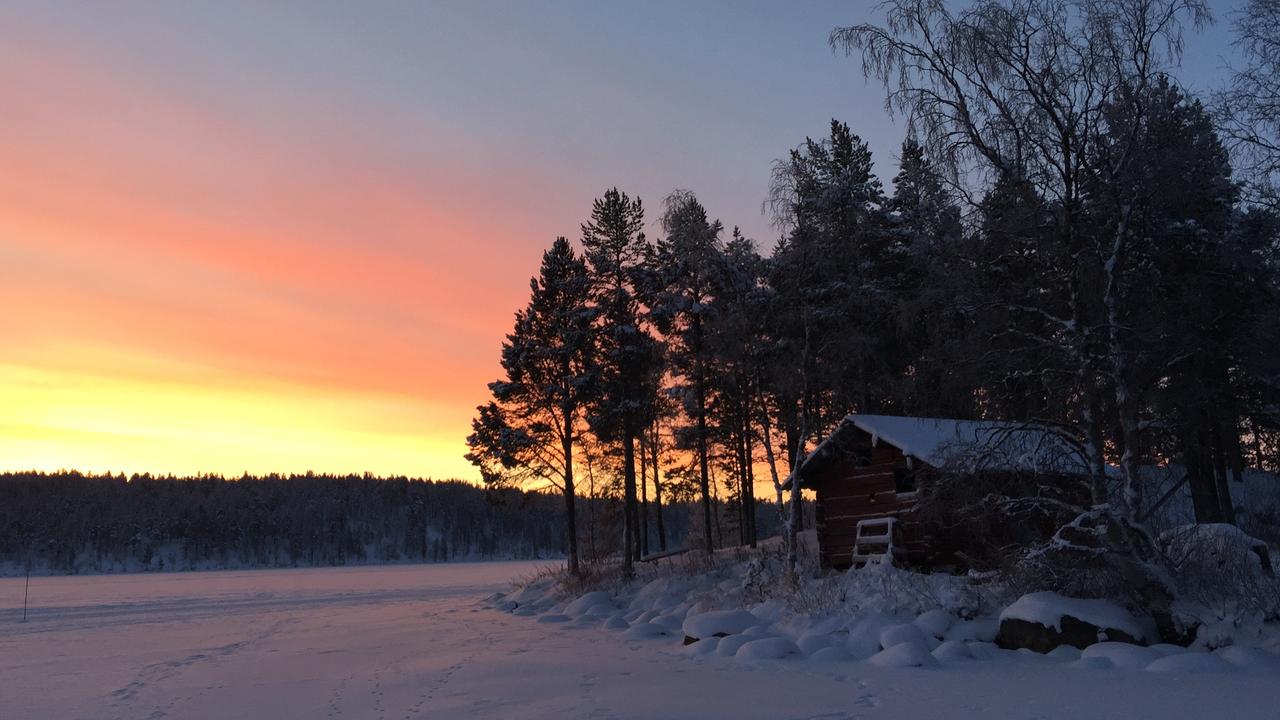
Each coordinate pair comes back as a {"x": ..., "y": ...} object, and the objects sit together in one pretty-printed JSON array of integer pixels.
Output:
[{"x": 25, "y": 594}]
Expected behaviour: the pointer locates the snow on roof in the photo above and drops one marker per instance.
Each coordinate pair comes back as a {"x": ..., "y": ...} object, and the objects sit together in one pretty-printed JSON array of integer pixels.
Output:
[
  {"x": 985, "y": 443},
  {"x": 965, "y": 445}
]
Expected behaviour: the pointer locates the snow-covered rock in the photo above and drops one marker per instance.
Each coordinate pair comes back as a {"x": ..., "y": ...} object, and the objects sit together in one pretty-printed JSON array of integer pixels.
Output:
[
  {"x": 899, "y": 634},
  {"x": 728, "y": 646},
  {"x": 864, "y": 635},
  {"x": 587, "y": 602},
  {"x": 833, "y": 653},
  {"x": 911, "y": 653},
  {"x": 934, "y": 623},
  {"x": 952, "y": 651},
  {"x": 1121, "y": 655},
  {"x": 646, "y": 631},
  {"x": 718, "y": 623},
  {"x": 812, "y": 642},
  {"x": 1042, "y": 621},
  {"x": 705, "y": 646},
  {"x": 615, "y": 622},
  {"x": 669, "y": 620},
  {"x": 772, "y": 648},
  {"x": 983, "y": 650},
  {"x": 1250, "y": 658}
]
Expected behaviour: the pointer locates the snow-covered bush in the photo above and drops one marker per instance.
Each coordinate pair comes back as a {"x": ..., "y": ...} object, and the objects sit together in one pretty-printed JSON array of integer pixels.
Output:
[{"x": 1227, "y": 580}]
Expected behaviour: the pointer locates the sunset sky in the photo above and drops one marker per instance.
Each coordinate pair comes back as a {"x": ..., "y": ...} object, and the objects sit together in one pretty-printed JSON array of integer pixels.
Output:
[{"x": 288, "y": 236}]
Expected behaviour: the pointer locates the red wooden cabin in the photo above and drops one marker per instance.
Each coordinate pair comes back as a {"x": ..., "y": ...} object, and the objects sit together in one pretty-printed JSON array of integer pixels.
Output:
[{"x": 866, "y": 476}]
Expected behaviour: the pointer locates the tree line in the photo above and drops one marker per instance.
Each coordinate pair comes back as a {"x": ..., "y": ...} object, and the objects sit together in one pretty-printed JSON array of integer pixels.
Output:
[
  {"x": 69, "y": 522},
  {"x": 1072, "y": 239}
]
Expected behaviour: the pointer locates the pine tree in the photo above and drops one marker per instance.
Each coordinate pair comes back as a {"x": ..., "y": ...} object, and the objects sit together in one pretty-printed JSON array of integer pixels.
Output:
[
  {"x": 528, "y": 432},
  {"x": 615, "y": 248},
  {"x": 685, "y": 266}
]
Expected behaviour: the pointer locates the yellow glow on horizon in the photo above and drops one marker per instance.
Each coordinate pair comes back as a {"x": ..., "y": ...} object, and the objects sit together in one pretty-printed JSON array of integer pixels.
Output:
[{"x": 58, "y": 419}]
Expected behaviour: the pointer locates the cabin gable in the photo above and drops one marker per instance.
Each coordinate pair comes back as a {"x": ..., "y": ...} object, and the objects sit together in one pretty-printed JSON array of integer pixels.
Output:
[{"x": 866, "y": 480}]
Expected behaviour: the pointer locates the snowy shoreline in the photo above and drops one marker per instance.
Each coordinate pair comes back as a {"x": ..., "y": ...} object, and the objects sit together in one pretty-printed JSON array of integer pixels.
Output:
[{"x": 879, "y": 615}]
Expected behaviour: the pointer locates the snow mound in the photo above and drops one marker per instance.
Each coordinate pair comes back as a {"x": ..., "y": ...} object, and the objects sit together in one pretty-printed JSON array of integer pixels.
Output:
[
  {"x": 833, "y": 653},
  {"x": 934, "y": 622},
  {"x": 1250, "y": 658},
  {"x": 1192, "y": 662},
  {"x": 554, "y": 618},
  {"x": 812, "y": 642},
  {"x": 1048, "y": 609},
  {"x": 912, "y": 653},
  {"x": 728, "y": 646},
  {"x": 983, "y": 650},
  {"x": 670, "y": 621},
  {"x": 899, "y": 634},
  {"x": 1122, "y": 655},
  {"x": 585, "y": 603},
  {"x": 1064, "y": 653},
  {"x": 646, "y": 631},
  {"x": 720, "y": 622},
  {"x": 864, "y": 635},
  {"x": 1093, "y": 663},
  {"x": 705, "y": 646},
  {"x": 616, "y": 622},
  {"x": 773, "y": 648},
  {"x": 952, "y": 651}
]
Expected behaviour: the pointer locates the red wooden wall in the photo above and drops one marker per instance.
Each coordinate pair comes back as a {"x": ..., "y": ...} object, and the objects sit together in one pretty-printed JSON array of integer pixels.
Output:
[{"x": 848, "y": 492}]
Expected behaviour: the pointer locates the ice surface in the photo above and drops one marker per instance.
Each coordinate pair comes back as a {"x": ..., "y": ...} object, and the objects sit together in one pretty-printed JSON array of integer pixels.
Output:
[{"x": 419, "y": 642}]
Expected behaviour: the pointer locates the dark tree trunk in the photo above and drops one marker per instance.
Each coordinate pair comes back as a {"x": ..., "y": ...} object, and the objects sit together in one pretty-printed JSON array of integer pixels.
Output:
[
  {"x": 628, "y": 499},
  {"x": 657, "y": 490},
  {"x": 703, "y": 472},
  {"x": 644, "y": 500},
  {"x": 571, "y": 526},
  {"x": 1204, "y": 492},
  {"x": 1223, "y": 491},
  {"x": 751, "y": 483}
]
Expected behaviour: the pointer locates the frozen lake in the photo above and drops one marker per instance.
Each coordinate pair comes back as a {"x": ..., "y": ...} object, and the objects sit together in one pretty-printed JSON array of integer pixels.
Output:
[{"x": 414, "y": 642}]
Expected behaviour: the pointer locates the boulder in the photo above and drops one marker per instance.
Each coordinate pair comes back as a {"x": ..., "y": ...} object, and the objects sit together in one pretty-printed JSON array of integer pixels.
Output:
[{"x": 1043, "y": 621}]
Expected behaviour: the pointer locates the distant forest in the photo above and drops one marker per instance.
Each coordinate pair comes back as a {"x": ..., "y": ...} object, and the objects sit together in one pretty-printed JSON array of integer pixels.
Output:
[{"x": 74, "y": 523}]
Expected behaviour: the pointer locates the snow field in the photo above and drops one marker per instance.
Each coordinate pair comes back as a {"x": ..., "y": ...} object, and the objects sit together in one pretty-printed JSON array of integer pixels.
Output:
[{"x": 411, "y": 642}]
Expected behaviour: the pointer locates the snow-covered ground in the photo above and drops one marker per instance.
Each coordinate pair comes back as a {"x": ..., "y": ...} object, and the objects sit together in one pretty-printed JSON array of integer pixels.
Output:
[{"x": 417, "y": 642}]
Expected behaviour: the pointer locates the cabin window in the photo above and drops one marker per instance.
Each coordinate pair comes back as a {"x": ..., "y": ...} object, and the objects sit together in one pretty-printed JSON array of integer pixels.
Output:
[
  {"x": 904, "y": 480},
  {"x": 862, "y": 457}
]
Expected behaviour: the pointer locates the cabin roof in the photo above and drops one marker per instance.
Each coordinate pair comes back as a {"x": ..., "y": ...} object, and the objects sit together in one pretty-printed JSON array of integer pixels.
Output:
[{"x": 958, "y": 445}]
